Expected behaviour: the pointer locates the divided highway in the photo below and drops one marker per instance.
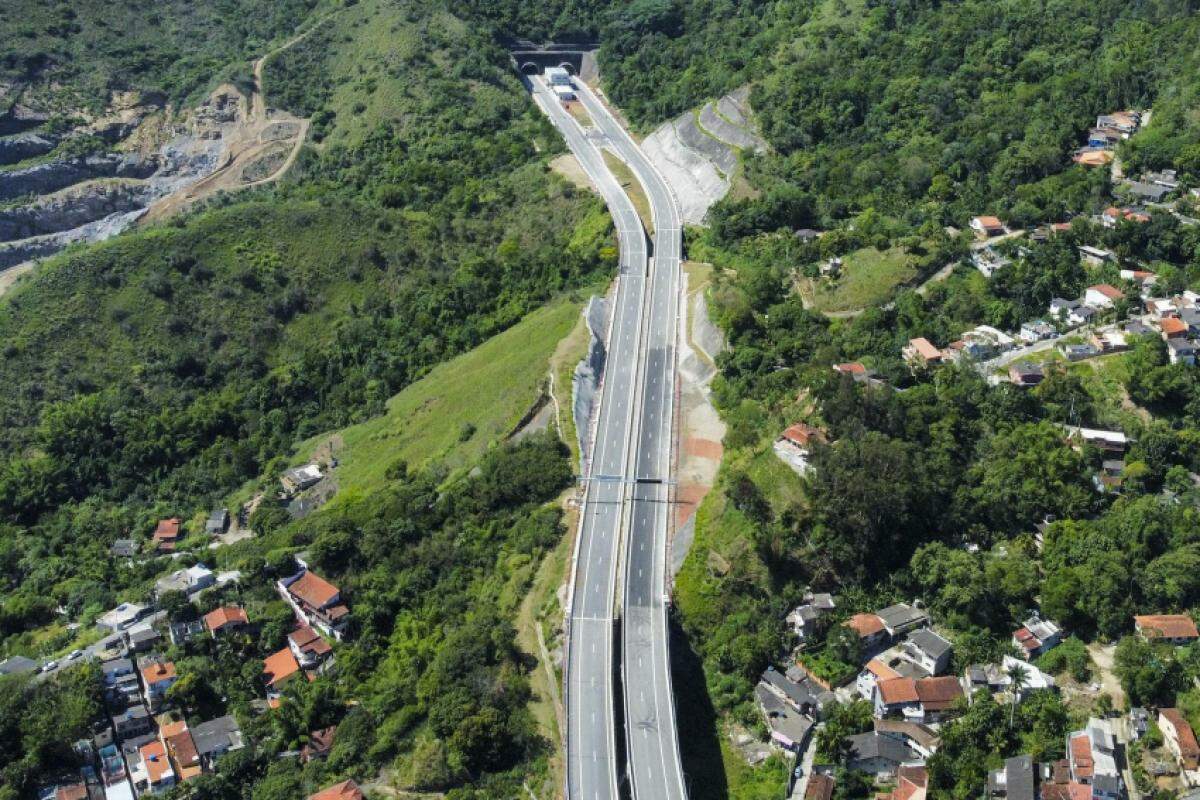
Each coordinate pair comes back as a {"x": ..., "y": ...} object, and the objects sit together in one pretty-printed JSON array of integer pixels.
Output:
[
  {"x": 591, "y": 728},
  {"x": 655, "y": 769},
  {"x": 622, "y": 545}
]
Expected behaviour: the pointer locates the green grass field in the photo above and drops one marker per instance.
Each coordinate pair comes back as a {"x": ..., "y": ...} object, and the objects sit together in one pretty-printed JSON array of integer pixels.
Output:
[
  {"x": 869, "y": 277},
  {"x": 490, "y": 388}
]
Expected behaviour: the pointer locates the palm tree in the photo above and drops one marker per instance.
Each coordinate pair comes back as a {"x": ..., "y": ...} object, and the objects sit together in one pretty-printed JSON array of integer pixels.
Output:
[{"x": 1018, "y": 679}]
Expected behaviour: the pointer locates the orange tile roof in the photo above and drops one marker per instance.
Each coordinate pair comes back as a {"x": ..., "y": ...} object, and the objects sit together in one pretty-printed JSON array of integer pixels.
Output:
[
  {"x": 1093, "y": 158},
  {"x": 911, "y": 783},
  {"x": 226, "y": 615},
  {"x": 313, "y": 590},
  {"x": 1173, "y": 326},
  {"x": 183, "y": 749},
  {"x": 280, "y": 666},
  {"x": 880, "y": 670},
  {"x": 865, "y": 625},
  {"x": 851, "y": 368},
  {"x": 925, "y": 348},
  {"x": 1169, "y": 626},
  {"x": 989, "y": 222},
  {"x": 898, "y": 690},
  {"x": 1081, "y": 755},
  {"x": 76, "y": 791},
  {"x": 820, "y": 787},
  {"x": 168, "y": 528},
  {"x": 154, "y": 757},
  {"x": 1188, "y": 747},
  {"x": 158, "y": 671},
  {"x": 346, "y": 790},
  {"x": 1111, "y": 292}
]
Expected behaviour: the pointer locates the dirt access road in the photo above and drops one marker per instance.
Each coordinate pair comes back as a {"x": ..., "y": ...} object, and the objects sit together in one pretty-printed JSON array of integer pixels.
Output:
[{"x": 258, "y": 134}]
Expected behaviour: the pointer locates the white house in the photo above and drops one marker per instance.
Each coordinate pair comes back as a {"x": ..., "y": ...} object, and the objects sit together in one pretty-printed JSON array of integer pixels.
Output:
[
  {"x": 1102, "y": 295},
  {"x": 1037, "y": 636},
  {"x": 927, "y": 650}
]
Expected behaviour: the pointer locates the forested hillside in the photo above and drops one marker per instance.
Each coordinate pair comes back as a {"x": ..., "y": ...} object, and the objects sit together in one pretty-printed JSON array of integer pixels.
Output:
[{"x": 154, "y": 374}]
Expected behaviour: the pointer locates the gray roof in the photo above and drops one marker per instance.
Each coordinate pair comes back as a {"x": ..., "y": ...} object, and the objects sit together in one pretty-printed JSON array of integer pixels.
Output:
[
  {"x": 1018, "y": 778},
  {"x": 136, "y": 711},
  {"x": 901, "y": 614},
  {"x": 929, "y": 643},
  {"x": 865, "y": 746},
  {"x": 799, "y": 692},
  {"x": 1151, "y": 191},
  {"x": 116, "y": 666},
  {"x": 823, "y": 601},
  {"x": 216, "y": 735},
  {"x": 124, "y": 547},
  {"x": 146, "y": 634},
  {"x": 780, "y": 717},
  {"x": 16, "y": 665}
]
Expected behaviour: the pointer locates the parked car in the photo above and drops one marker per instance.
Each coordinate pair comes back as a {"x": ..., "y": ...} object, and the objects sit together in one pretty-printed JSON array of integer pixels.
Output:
[
  {"x": 74, "y": 655},
  {"x": 50, "y": 666}
]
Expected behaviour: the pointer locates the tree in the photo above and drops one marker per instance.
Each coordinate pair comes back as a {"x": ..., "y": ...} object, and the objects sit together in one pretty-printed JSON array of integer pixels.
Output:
[{"x": 1018, "y": 679}]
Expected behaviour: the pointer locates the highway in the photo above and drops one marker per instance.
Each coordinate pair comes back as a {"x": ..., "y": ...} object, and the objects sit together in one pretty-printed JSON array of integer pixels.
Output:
[
  {"x": 655, "y": 769},
  {"x": 592, "y": 743}
]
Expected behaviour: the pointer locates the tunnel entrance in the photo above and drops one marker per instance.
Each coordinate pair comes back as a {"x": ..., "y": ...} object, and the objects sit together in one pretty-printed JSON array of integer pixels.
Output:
[{"x": 530, "y": 68}]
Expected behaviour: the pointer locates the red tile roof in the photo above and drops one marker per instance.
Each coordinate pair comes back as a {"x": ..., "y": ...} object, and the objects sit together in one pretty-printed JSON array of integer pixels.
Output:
[
  {"x": 346, "y": 790},
  {"x": 1189, "y": 749},
  {"x": 154, "y": 757},
  {"x": 168, "y": 529},
  {"x": 1173, "y": 326},
  {"x": 1109, "y": 291},
  {"x": 820, "y": 787},
  {"x": 1081, "y": 755},
  {"x": 989, "y": 222},
  {"x": 218, "y": 618},
  {"x": 802, "y": 434},
  {"x": 938, "y": 694},
  {"x": 1167, "y": 626},
  {"x": 880, "y": 670},
  {"x": 865, "y": 625},
  {"x": 308, "y": 640},
  {"x": 851, "y": 368},
  {"x": 925, "y": 349},
  {"x": 76, "y": 791},
  {"x": 158, "y": 671},
  {"x": 313, "y": 590}
]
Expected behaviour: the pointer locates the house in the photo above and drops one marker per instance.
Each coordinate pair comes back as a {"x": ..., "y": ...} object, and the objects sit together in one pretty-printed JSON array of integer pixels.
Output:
[
  {"x": 870, "y": 629},
  {"x": 1179, "y": 738},
  {"x": 1014, "y": 781},
  {"x": 912, "y": 783},
  {"x": 919, "y": 699},
  {"x": 167, "y": 534},
  {"x": 804, "y": 619},
  {"x": 927, "y": 650},
  {"x": 225, "y": 620},
  {"x": 820, "y": 787},
  {"x": 1181, "y": 351},
  {"x": 806, "y": 234},
  {"x": 794, "y": 445},
  {"x": 902, "y": 618},
  {"x": 988, "y": 261},
  {"x": 185, "y": 630},
  {"x": 1080, "y": 315},
  {"x": 1139, "y": 722},
  {"x": 133, "y": 721},
  {"x": 215, "y": 738},
  {"x": 1143, "y": 278},
  {"x": 1106, "y": 441},
  {"x": 300, "y": 478},
  {"x": 1037, "y": 636},
  {"x": 1172, "y": 328},
  {"x": 1102, "y": 295},
  {"x": 189, "y": 581},
  {"x": 1036, "y": 330},
  {"x": 854, "y": 369},
  {"x": 1061, "y": 307},
  {"x": 121, "y": 685},
  {"x": 1149, "y": 192},
  {"x": 308, "y": 647},
  {"x": 921, "y": 738},
  {"x": 881, "y": 756},
  {"x": 1136, "y": 327},
  {"x": 1113, "y": 216},
  {"x": 317, "y": 602},
  {"x": 217, "y": 522},
  {"x": 986, "y": 227},
  {"x": 122, "y": 617},
  {"x": 182, "y": 749},
  {"x": 872, "y": 673},
  {"x": 142, "y": 638},
  {"x": 1161, "y": 307},
  {"x": 1169, "y": 628},
  {"x": 789, "y": 728},
  {"x": 1109, "y": 341},
  {"x": 1092, "y": 156},
  {"x": 1103, "y": 137},
  {"x": 152, "y": 771},
  {"x": 1091, "y": 759},
  {"x": 1094, "y": 256},
  {"x": 1025, "y": 373},
  {"x": 797, "y": 690},
  {"x": 346, "y": 790},
  {"x": 1124, "y": 121},
  {"x": 157, "y": 677},
  {"x": 920, "y": 352},
  {"x": 278, "y": 669},
  {"x": 124, "y": 548},
  {"x": 1167, "y": 177},
  {"x": 319, "y": 744}
]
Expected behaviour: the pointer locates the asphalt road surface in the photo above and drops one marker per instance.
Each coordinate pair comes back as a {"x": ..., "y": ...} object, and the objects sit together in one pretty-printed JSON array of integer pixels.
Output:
[
  {"x": 591, "y": 736},
  {"x": 655, "y": 770}
]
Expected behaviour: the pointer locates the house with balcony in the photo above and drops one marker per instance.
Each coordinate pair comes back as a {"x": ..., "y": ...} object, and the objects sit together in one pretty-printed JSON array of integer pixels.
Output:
[{"x": 317, "y": 602}]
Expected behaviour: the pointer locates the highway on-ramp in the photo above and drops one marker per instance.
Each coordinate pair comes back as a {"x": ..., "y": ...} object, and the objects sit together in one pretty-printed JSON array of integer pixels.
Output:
[
  {"x": 655, "y": 769},
  {"x": 592, "y": 739}
]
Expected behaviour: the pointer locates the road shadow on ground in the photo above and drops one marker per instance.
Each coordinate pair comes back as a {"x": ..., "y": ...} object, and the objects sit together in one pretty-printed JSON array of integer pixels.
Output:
[{"x": 696, "y": 721}]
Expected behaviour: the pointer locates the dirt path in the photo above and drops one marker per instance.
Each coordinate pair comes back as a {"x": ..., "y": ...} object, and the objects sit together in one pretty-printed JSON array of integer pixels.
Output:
[
  {"x": 249, "y": 141},
  {"x": 1102, "y": 655}
]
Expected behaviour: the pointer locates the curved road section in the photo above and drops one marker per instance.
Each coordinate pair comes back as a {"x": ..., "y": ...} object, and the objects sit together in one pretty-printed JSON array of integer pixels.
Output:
[
  {"x": 591, "y": 728},
  {"x": 655, "y": 769}
]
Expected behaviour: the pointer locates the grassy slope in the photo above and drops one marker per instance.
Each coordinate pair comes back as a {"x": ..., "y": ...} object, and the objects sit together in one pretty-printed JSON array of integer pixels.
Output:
[
  {"x": 869, "y": 277},
  {"x": 490, "y": 388}
]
